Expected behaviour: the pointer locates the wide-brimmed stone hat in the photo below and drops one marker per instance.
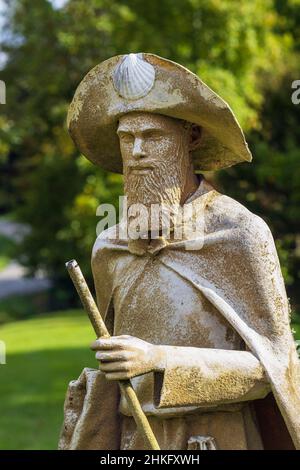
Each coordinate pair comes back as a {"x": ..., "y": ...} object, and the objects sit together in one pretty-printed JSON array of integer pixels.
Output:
[{"x": 146, "y": 82}]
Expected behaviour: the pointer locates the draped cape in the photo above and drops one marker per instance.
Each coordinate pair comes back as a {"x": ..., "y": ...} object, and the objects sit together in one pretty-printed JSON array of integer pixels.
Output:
[{"x": 232, "y": 261}]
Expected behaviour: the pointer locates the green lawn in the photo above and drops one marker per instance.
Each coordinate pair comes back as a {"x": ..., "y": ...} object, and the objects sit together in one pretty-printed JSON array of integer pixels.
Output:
[{"x": 42, "y": 356}]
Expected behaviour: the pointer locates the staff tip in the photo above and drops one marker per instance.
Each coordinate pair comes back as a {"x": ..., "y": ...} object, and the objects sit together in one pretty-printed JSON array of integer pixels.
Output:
[{"x": 71, "y": 264}]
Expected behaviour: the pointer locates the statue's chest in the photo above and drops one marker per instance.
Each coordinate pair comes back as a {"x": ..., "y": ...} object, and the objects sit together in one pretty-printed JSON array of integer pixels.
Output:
[{"x": 157, "y": 305}]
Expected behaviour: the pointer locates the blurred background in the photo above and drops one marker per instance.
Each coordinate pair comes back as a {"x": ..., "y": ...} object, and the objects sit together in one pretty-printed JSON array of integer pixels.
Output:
[{"x": 247, "y": 51}]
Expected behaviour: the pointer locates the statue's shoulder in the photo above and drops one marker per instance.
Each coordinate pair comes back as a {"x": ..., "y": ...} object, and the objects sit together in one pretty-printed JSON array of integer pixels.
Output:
[
  {"x": 227, "y": 213},
  {"x": 106, "y": 241}
]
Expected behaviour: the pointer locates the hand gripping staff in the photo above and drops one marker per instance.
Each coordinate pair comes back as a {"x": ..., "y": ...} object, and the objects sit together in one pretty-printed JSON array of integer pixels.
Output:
[{"x": 100, "y": 329}]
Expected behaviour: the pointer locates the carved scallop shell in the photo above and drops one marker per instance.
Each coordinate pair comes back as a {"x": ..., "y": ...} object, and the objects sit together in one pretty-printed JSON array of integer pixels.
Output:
[{"x": 134, "y": 77}]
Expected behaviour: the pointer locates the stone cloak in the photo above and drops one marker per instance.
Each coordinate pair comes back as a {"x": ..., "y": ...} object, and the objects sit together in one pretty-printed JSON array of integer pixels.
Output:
[{"x": 236, "y": 268}]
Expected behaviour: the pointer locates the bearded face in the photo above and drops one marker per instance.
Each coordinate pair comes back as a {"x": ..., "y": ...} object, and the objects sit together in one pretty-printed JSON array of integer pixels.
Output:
[{"x": 155, "y": 153}]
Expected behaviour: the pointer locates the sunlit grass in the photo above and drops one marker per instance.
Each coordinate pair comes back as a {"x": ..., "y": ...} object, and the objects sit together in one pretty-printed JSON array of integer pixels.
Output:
[{"x": 43, "y": 355}]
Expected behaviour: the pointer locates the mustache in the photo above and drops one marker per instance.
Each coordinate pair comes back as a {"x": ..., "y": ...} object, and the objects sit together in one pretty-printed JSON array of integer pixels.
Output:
[{"x": 142, "y": 166}]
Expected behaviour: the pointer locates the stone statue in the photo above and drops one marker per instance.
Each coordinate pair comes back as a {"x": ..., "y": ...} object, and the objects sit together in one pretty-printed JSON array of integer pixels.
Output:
[{"x": 199, "y": 318}]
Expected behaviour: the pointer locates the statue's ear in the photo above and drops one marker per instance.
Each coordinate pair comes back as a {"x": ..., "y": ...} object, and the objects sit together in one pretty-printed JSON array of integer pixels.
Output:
[{"x": 195, "y": 136}]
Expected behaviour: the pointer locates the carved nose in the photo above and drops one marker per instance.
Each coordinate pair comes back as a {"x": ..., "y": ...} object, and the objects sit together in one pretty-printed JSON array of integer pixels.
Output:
[{"x": 138, "y": 151}]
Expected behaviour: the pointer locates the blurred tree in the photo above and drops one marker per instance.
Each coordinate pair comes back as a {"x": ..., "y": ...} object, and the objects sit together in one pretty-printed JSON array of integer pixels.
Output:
[
  {"x": 234, "y": 46},
  {"x": 270, "y": 186}
]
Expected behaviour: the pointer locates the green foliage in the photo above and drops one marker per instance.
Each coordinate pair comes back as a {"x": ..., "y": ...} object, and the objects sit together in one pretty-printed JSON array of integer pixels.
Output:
[
  {"x": 243, "y": 50},
  {"x": 270, "y": 186},
  {"x": 7, "y": 249},
  {"x": 22, "y": 306}
]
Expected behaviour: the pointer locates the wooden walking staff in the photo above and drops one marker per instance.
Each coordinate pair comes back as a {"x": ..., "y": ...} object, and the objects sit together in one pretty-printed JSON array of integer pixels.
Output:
[{"x": 100, "y": 329}]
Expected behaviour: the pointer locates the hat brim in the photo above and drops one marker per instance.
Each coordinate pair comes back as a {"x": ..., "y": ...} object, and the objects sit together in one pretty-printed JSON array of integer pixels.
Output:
[{"x": 96, "y": 108}]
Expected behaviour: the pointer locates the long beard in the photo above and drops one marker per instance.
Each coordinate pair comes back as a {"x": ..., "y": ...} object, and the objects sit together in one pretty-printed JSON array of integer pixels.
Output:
[{"x": 160, "y": 189}]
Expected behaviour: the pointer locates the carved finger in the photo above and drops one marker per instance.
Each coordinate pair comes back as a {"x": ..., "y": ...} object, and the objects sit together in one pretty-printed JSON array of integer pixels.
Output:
[
  {"x": 104, "y": 343},
  {"x": 114, "y": 367},
  {"x": 118, "y": 376},
  {"x": 121, "y": 337},
  {"x": 112, "y": 356}
]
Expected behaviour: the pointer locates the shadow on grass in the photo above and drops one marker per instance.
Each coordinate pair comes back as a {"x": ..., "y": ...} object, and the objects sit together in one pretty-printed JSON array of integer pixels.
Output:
[{"x": 33, "y": 387}]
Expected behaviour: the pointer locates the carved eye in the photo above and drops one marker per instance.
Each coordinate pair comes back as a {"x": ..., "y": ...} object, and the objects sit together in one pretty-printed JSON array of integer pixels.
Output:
[
  {"x": 126, "y": 138},
  {"x": 152, "y": 135}
]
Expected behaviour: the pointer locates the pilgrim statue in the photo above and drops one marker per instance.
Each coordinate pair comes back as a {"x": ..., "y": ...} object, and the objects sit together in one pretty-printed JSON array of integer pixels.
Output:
[{"x": 195, "y": 301}]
